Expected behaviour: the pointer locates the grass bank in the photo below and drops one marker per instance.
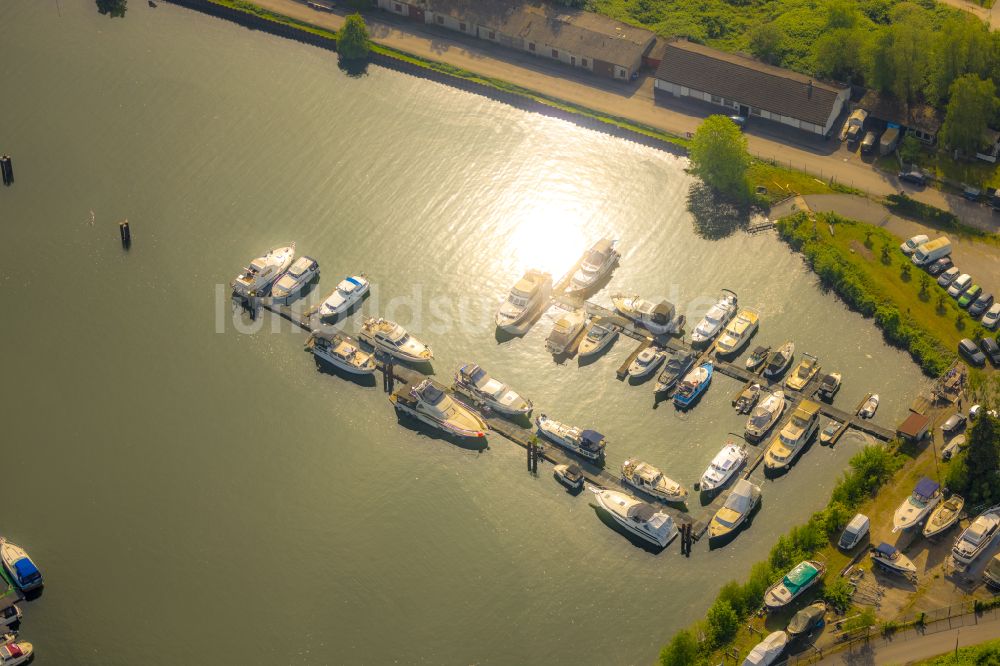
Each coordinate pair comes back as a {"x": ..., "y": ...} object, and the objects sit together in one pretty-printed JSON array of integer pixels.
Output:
[{"x": 984, "y": 654}]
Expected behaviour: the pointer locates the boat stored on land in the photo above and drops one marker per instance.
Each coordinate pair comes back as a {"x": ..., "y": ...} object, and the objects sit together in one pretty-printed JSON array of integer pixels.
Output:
[
  {"x": 587, "y": 443},
  {"x": 738, "y": 332},
  {"x": 806, "y": 619},
  {"x": 257, "y": 278},
  {"x": 658, "y": 318},
  {"x": 570, "y": 476},
  {"x": 829, "y": 431},
  {"x": 742, "y": 500},
  {"x": 25, "y": 575},
  {"x": 915, "y": 508},
  {"x": 350, "y": 290},
  {"x": 646, "y": 362},
  {"x": 779, "y": 360},
  {"x": 431, "y": 403},
  {"x": 340, "y": 351},
  {"x": 944, "y": 516},
  {"x": 564, "y": 332},
  {"x": 765, "y": 416},
  {"x": 768, "y": 650},
  {"x": 717, "y": 316},
  {"x": 596, "y": 264},
  {"x": 757, "y": 358},
  {"x": 868, "y": 409},
  {"x": 678, "y": 364},
  {"x": 977, "y": 537},
  {"x": 794, "y": 583},
  {"x": 793, "y": 437},
  {"x": 724, "y": 465},
  {"x": 803, "y": 373},
  {"x": 393, "y": 339},
  {"x": 301, "y": 273},
  {"x": 492, "y": 392},
  {"x": 598, "y": 337},
  {"x": 639, "y": 518},
  {"x": 888, "y": 558},
  {"x": 829, "y": 385},
  {"x": 526, "y": 298},
  {"x": 747, "y": 399},
  {"x": 693, "y": 385},
  {"x": 649, "y": 479},
  {"x": 854, "y": 532},
  {"x": 991, "y": 574}
]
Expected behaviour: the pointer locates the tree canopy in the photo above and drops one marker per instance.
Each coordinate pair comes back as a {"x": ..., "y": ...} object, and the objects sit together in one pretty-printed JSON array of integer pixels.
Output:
[
  {"x": 352, "y": 40},
  {"x": 972, "y": 106},
  {"x": 719, "y": 157},
  {"x": 112, "y": 8}
]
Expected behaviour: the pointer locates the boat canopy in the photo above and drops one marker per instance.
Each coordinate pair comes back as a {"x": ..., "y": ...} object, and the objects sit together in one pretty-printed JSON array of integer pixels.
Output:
[
  {"x": 592, "y": 437},
  {"x": 574, "y": 471},
  {"x": 26, "y": 570},
  {"x": 11, "y": 651},
  {"x": 429, "y": 392},
  {"x": 641, "y": 512},
  {"x": 926, "y": 488},
  {"x": 332, "y": 338},
  {"x": 806, "y": 618},
  {"x": 663, "y": 312},
  {"x": 800, "y": 576},
  {"x": 829, "y": 381},
  {"x": 887, "y": 550},
  {"x": 353, "y": 281}
]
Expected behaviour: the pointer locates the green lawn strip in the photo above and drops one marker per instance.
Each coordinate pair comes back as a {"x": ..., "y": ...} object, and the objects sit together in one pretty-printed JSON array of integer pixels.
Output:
[{"x": 983, "y": 654}]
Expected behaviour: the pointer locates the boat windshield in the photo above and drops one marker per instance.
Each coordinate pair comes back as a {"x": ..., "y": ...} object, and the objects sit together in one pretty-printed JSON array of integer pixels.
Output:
[
  {"x": 596, "y": 333},
  {"x": 593, "y": 260}
]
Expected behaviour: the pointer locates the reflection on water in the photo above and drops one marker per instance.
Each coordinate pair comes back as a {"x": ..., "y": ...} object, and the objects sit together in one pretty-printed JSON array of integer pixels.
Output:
[{"x": 714, "y": 218}]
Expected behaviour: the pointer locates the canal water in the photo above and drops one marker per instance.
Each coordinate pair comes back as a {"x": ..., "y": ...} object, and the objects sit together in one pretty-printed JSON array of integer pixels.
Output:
[{"x": 196, "y": 490}]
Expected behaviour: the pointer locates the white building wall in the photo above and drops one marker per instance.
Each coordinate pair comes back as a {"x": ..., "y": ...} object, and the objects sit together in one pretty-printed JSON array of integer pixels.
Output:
[{"x": 394, "y": 6}]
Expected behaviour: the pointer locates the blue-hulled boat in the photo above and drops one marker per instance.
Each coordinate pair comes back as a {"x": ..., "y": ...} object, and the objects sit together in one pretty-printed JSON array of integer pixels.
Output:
[
  {"x": 25, "y": 574},
  {"x": 693, "y": 385}
]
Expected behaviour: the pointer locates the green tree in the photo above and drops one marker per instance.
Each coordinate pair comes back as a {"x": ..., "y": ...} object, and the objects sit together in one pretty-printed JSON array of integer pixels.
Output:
[
  {"x": 719, "y": 157},
  {"x": 972, "y": 106},
  {"x": 767, "y": 42},
  {"x": 839, "y": 54},
  {"x": 909, "y": 149},
  {"x": 909, "y": 52},
  {"x": 113, "y": 8},
  {"x": 982, "y": 460},
  {"x": 681, "y": 651},
  {"x": 722, "y": 622},
  {"x": 352, "y": 40},
  {"x": 962, "y": 45},
  {"x": 925, "y": 287},
  {"x": 841, "y": 14},
  {"x": 881, "y": 64},
  {"x": 838, "y": 593},
  {"x": 886, "y": 257}
]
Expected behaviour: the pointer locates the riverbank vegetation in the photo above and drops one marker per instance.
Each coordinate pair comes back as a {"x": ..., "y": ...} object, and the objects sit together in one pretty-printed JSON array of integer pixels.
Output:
[
  {"x": 352, "y": 41},
  {"x": 973, "y": 472},
  {"x": 719, "y": 156},
  {"x": 984, "y": 654}
]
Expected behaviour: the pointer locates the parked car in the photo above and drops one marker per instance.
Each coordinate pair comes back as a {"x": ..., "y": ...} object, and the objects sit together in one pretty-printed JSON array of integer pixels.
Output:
[
  {"x": 971, "y": 193},
  {"x": 913, "y": 177},
  {"x": 854, "y": 126},
  {"x": 961, "y": 283},
  {"x": 949, "y": 276},
  {"x": 970, "y": 351},
  {"x": 939, "y": 266},
  {"x": 910, "y": 246},
  {"x": 739, "y": 121},
  {"x": 992, "y": 317},
  {"x": 981, "y": 304},
  {"x": 868, "y": 143},
  {"x": 969, "y": 296},
  {"x": 991, "y": 348},
  {"x": 954, "y": 425}
]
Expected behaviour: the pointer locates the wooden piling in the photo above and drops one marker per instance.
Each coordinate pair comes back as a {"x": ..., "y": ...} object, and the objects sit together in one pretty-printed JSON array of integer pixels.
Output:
[
  {"x": 7, "y": 170},
  {"x": 126, "y": 234}
]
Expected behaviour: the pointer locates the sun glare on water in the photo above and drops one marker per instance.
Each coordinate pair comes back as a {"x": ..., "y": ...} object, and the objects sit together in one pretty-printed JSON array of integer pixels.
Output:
[{"x": 548, "y": 236}]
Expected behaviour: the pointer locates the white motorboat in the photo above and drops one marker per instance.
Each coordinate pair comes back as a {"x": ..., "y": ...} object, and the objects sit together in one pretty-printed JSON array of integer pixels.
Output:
[
  {"x": 570, "y": 476},
  {"x": 779, "y": 360},
  {"x": 430, "y": 403},
  {"x": 944, "y": 516},
  {"x": 393, "y": 339},
  {"x": 829, "y": 431},
  {"x": 291, "y": 284},
  {"x": 587, "y": 443},
  {"x": 650, "y": 480},
  {"x": 340, "y": 351},
  {"x": 565, "y": 331},
  {"x": 738, "y": 332},
  {"x": 637, "y": 517},
  {"x": 24, "y": 573},
  {"x": 741, "y": 502},
  {"x": 676, "y": 367},
  {"x": 803, "y": 576},
  {"x": 646, "y": 362},
  {"x": 747, "y": 398},
  {"x": 803, "y": 373},
  {"x": 350, "y": 290},
  {"x": 991, "y": 574},
  {"x": 658, "y": 318},
  {"x": 854, "y": 532},
  {"x": 868, "y": 409},
  {"x": 598, "y": 337},
  {"x": 723, "y": 466},
  {"x": 595, "y": 266},
  {"x": 915, "y": 508},
  {"x": 9, "y": 612},
  {"x": 888, "y": 558},
  {"x": 829, "y": 385},
  {"x": 977, "y": 537},
  {"x": 755, "y": 361},
  {"x": 768, "y": 650},
  {"x": 492, "y": 392},
  {"x": 793, "y": 437},
  {"x": 257, "y": 278},
  {"x": 526, "y": 298},
  {"x": 764, "y": 416},
  {"x": 16, "y": 653},
  {"x": 717, "y": 316}
]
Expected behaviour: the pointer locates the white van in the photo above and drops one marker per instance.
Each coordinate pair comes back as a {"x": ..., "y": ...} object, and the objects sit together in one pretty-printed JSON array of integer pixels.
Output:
[
  {"x": 931, "y": 251},
  {"x": 854, "y": 532}
]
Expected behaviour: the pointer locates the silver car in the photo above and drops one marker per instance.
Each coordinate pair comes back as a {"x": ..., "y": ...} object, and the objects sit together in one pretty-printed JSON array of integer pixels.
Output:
[
  {"x": 948, "y": 276},
  {"x": 992, "y": 317},
  {"x": 961, "y": 283}
]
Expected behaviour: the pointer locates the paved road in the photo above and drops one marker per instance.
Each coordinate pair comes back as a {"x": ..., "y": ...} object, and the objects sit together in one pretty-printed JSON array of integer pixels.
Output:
[{"x": 991, "y": 16}]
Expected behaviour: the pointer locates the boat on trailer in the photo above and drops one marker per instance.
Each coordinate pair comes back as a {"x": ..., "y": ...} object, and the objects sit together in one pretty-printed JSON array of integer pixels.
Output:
[
  {"x": 944, "y": 516},
  {"x": 922, "y": 500},
  {"x": 888, "y": 558},
  {"x": 802, "y": 577}
]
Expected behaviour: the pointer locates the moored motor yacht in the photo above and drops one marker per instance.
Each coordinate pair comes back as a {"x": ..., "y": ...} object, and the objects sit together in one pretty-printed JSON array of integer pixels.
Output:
[
  {"x": 829, "y": 431},
  {"x": 637, "y": 517},
  {"x": 726, "y": 462},
  {"x": 793, "y": 437},
  {"x": 768, "y": 650},
  {"x": 596, "y": 264},
  {"x": 431, "y": 403},
  {"x": 649, "y": 479},
  {"x": 779, "y": 360},
  {"x": 888, "y": 558},
  {"x": 350, "y": 290},
  {"x": 9, "y": 612},
  {"x": 570, "y": 476},
  {"x": 977, "y": 537},
  {"x": 747, "y": 398},
  {"x": 598, "y": 337},
  {"x": 738, "y": 332},
  {"x": 587, "y": 443},
  {"x": 717, "y": 316},
  {"x": 393, "y": 339},
  {"x": 764, "y": 416},
  {"x": 803, "y": 373},
  {"x": 646, "y": 362},
  {"x": 829, "y": 385},
  {"x": 678, "y": 364},
  {"x": 658, "y": 318},
  {"x": 257, "y": 278},
  {"x": 340, "y": 351},
  {"x": 693, "y": 385},
  {"x": 755, "y": 361},
  {"x": 565, "y": 331},
  {"x": 915, "y": 508},
  {"x": 301, "y": 273},
  {"x": 742, "y": 500},
  {"x": 944, "y": 516},
  {"x": 16, "y": 653},
  {"x": 492, "y": 392},
  {"x": 526, "y": 298},
  {"x": 24, "y": 573},
  {"x": 803, "y": 576},
  {"x": 868, "y": 409}
]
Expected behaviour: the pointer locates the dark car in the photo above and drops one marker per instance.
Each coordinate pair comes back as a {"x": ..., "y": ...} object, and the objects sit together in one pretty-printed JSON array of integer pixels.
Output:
[
  {"x": 980, "y": 305},
  {"x": 969, "y": 296},
  {"x": 739, "y": 121},
  {"x": 869, "y": 142},
  {"x": 992, "y": 350},
  {"x": 914, "y": 177},
  {"x": 940, "y": 266},
  {"x": 970, "y": 351}
]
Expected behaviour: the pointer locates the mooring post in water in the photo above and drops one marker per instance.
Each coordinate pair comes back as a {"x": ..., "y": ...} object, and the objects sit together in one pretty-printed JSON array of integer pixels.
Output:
[
  {"x": 126, "y": 234},
  {"x": 7, "y": 169},
  {"x": 389, "y": 375}
]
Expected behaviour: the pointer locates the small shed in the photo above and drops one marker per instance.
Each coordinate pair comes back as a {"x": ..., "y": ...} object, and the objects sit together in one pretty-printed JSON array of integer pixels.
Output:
[{"x": 914, "y": 428}]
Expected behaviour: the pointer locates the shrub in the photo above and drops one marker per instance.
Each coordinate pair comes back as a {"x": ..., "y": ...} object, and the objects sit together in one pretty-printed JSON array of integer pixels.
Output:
[
  {"x": 838, "y": 593},
  {"x": 721, "y": 623},
  {"x": 866, "y": 618},
  {"x": 681, "y": 651}
]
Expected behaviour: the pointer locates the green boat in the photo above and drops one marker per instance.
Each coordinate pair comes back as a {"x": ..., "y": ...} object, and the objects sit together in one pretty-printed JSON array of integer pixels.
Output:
[{"x": 795, "y": 582}]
